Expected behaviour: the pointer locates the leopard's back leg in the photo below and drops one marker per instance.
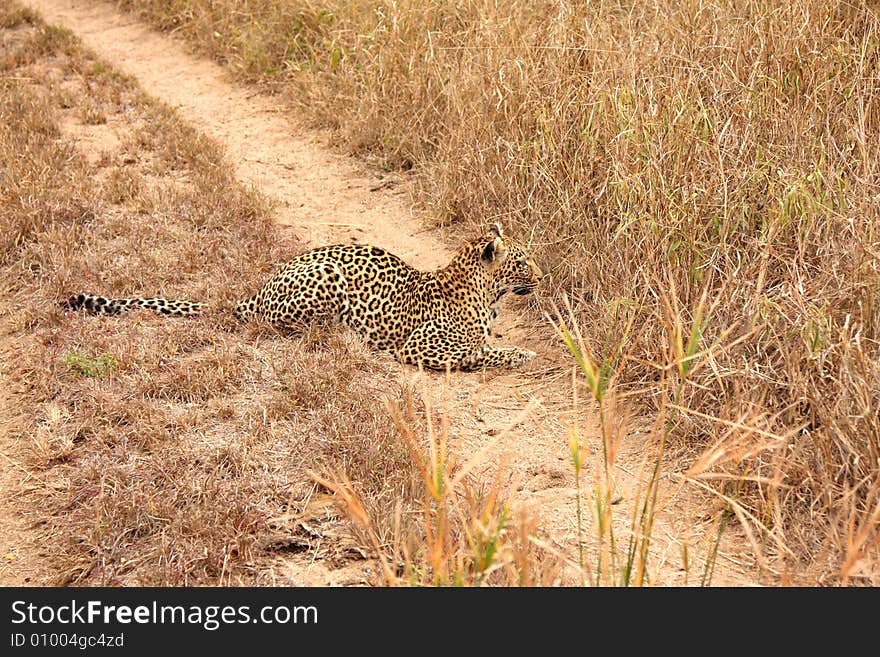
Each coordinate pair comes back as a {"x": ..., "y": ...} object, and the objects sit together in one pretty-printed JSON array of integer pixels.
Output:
[{"x": 298, "y": 294}]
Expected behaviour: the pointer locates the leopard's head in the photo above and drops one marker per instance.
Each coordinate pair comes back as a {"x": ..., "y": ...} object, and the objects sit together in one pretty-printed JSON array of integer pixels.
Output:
[{"x": 509, "y": 263}]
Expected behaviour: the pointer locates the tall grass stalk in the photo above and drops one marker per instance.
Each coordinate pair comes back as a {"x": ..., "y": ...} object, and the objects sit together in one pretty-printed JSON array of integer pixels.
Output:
[{"x": 468, "y": 535}]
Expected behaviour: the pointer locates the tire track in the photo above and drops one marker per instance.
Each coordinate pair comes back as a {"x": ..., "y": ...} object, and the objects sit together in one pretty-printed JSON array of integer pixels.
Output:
[{"x": 324, "y": 195}]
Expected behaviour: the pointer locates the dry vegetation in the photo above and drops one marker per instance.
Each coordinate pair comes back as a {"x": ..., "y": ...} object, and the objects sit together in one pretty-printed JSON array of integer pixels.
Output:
[
  {"x": 660, "y": 154},
  {"x": 182, "y": 453}
]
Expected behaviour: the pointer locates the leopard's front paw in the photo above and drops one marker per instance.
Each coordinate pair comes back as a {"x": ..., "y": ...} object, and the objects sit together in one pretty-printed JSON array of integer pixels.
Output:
[{"x": 522, "y": 357}]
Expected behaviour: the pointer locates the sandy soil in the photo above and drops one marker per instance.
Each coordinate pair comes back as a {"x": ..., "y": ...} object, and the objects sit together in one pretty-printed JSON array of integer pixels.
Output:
[{"x": 329, "y": 198}]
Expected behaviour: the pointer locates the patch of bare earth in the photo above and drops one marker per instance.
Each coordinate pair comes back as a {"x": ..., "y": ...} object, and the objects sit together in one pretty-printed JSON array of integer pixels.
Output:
[{"x": 518, "y": 419}]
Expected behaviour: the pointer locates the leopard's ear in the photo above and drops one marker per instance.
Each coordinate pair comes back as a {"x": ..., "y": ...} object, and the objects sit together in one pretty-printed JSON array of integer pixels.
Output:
[
  {"x": 494, "y": 253},
  {"x": 496, "y": 230}
]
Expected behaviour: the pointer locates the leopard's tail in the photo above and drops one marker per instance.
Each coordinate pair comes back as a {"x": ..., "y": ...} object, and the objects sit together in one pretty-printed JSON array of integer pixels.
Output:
[{"x": 99, "y": 305}]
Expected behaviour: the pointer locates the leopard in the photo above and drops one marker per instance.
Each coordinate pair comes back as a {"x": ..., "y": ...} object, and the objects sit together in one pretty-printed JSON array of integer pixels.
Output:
[{"x": 438, "y": 319}]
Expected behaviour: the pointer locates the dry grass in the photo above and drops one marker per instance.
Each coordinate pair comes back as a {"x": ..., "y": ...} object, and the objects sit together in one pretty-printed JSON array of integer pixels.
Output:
[
  {"x": 469, "y": 534},
  {"x": 172, "y": 452},
  {"x": 657, "y": 152}
]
